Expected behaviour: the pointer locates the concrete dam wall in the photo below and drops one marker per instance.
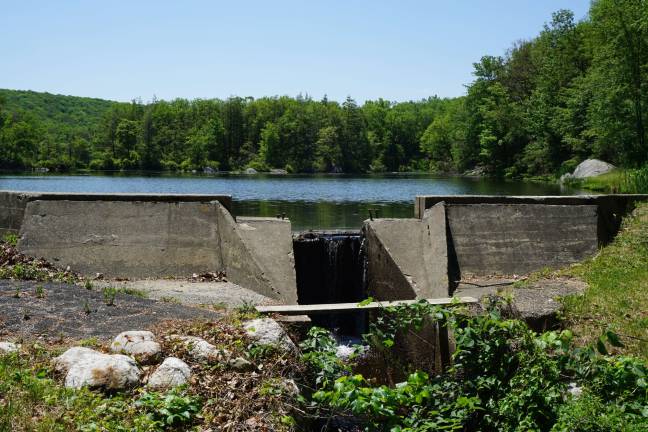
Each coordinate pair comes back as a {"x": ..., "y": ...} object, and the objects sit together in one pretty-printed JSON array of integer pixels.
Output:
[
  {"x": 517, "y": 235},
  {"x": 158, "y": 236},
  {"x": 153, "y": 236}
]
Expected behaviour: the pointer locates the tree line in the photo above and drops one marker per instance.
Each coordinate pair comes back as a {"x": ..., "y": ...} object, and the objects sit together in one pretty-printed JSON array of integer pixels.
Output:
[{"x": 577, "y": 90}]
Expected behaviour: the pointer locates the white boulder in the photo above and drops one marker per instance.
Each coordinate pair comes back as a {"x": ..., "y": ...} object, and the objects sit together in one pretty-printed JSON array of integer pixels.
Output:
[
  {"x": 74, "y": 355},
  {"x": 171, "y": 373},
  {"x": 592, "y": 168},
  {"x": 201, "y": 350},
  {"x": 266, "y": 331},
  {"x": 88, "y": 368},
  {"x": 139, "y": 344},
  {"x": 8, "y": 347}
]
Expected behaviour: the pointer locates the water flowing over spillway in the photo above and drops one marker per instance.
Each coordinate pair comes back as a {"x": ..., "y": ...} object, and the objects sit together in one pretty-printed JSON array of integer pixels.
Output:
[{"x": 331, "y": 268}]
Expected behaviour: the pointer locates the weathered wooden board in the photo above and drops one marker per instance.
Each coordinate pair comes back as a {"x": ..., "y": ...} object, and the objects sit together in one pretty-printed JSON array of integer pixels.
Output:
[{"x": 350, "y": 307}]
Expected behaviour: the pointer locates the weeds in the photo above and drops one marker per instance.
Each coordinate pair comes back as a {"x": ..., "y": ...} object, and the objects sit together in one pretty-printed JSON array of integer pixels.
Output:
[
  {"x": 109, "y": 295},
  {"x": 618, "y": 283},
  {"x": 40, "y": 291},
  {"x": 11, "y": 239}
]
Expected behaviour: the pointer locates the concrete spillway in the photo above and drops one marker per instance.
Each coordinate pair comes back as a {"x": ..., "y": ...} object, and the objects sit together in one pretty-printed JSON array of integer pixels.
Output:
[
  {"x": 139, "y": 236},
  {"x": 331, "y": 268}
]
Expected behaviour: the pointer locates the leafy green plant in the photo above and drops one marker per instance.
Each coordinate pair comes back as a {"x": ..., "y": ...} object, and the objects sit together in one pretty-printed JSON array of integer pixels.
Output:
[
  {"x": 109, "y": 294},
  {"x": 11, "y": 239},
  {"x": 319, "y": 350},
  {"x": 504, "y": 377},
  {"x": 171, "y": 409}
]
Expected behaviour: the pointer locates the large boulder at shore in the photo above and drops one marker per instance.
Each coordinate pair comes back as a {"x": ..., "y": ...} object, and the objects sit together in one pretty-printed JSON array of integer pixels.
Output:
[
  {"x": 171, "y": 373},
  {"x": 592, "y": 168},
  {"x": 266, "y": 331},
  {"x": 140, "y": 344},
  {"x": 89, "y": 368}
]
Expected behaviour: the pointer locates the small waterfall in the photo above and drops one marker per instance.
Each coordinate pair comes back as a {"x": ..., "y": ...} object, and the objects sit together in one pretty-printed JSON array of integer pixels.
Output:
[{"x": 331, "y": 268}]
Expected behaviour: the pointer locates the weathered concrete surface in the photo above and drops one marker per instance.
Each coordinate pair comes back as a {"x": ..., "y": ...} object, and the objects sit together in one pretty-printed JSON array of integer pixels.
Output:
[
  {"x": 124, "y": 238},
  {"x": 12, "y": 209},
  {"x": 129, "y": 238},
  {"x": 257, "y": 254},
  {"x": 521, "y": 238},
  {"x": 407, "y": 258},
  {"x": 537, "y": 303},
  {"x": 218, "y": 294},
  {"x": 270, "y": 241},
  {"x": 13, "y": 203},
  {"x": 611, "y": 208}
]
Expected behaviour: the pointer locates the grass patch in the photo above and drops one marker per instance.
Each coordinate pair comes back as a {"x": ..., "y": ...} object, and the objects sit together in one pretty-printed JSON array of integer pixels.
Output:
[
  {"x": 30, "y": 400},
  {"x": 618, "y": 288},
  {"x": 617, "y": 181}
]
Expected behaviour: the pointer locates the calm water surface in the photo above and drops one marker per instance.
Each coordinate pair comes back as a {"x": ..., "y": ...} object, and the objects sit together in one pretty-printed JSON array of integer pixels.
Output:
[{"x": 310, "y": 201}]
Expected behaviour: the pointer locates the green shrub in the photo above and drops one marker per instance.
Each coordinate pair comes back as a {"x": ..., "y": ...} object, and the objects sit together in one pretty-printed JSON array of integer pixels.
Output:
[
  {"x": 171, "y": 409},
  {"x": 504, "y": 377}
]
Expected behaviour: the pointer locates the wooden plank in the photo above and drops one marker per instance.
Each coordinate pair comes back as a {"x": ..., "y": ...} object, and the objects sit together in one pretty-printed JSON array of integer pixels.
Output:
[{"x": 350, "y": 307}]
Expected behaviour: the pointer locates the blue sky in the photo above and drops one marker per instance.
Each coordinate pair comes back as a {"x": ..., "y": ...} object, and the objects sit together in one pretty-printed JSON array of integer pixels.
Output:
[{"x": 398, "y": 50}]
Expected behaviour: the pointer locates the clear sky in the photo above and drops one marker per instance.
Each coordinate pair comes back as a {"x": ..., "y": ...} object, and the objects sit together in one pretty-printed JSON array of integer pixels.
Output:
[{"x": 398, "y": 49}]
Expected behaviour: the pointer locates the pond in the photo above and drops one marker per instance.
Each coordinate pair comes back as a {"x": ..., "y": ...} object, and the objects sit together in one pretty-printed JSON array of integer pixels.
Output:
[{"x": 320, "y": 202}]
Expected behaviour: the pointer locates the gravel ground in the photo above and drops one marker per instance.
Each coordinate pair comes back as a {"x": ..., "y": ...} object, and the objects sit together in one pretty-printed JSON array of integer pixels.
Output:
[{"x": 71, "y": 311}]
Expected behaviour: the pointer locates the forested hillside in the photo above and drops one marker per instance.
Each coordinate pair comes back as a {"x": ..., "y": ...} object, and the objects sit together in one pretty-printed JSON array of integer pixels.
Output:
[{"x": 579, "y": 89}]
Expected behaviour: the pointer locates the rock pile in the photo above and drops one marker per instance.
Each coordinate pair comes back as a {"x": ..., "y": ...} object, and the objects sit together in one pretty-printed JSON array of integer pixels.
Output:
[{"x": 134, "y": 354}]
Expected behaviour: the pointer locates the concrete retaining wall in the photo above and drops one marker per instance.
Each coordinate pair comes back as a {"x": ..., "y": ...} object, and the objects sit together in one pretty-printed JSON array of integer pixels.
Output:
[
  {"x": 407, "y": 258},
  {"x": 520, "y": 238},
  {"x": 611, "y": 208},
  {"x": 257, "y": 254},
  {"x": 13, "y": 203},
  {"x": 516, "y": 235},
  {"x": 153, "y": 236},
  {"x": 130, "y": 239}
]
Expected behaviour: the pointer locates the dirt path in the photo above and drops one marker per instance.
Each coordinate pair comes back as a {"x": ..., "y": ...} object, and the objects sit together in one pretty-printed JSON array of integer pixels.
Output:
[{"x": 64, "y": 310}]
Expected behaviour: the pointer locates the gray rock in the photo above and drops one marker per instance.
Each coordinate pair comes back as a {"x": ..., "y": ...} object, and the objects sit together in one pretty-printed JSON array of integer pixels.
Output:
[
  {"x": 574, "y": 390},
  {"x": 139, "y": 344},
  {"x": 290, "y": 387},
  {"x": 240, "y": 364},
  {"x": 250, "y": 171},
  {"x": 201, "y": 350},
  {"x": 89, "y": 368},
  {"x": 278, "y": 171},
  {"x": 566, "y": 177},
  {"x": 592, "y": 168},
  {"x": 345, "y": 352},
  {"x": 171, "y": 373},
  {"x": 266, "y": 331},
  {"x": 8, "y": 347},
  {"x": 209, "y": 170}
]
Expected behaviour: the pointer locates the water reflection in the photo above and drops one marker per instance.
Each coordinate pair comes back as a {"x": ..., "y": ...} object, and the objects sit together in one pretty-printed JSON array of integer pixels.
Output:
[{"x": 310, "y": 201}]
